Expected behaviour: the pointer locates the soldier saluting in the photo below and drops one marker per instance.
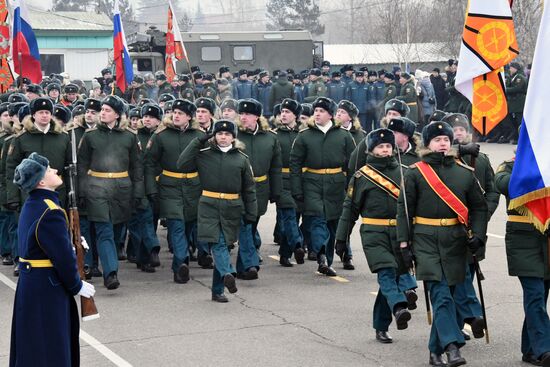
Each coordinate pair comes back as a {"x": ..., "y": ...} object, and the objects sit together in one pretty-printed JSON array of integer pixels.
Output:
[
  {"x": 438, "y": 235},
  {"x": 111, "y": 181}
]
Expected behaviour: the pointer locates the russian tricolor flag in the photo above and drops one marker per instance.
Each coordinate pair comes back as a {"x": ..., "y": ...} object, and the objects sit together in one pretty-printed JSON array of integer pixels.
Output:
[
  {"x": 25, "y": 54},
  {"x": 530, "y": 182},
  {"x": 124, "y": 71}
]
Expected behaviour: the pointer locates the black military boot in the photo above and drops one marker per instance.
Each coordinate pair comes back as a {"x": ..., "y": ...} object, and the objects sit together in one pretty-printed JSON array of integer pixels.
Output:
[
  {"x": 250, "y": 274},
  {"x": 7, "y": 260},
  {"x": 348, "y": 263},
  {"x": 205, "y": 261},
  {"x": 478, "y": 326},
  {"x": 299, "y": 255},
  {"x": 531, "y": 359},
  {"x": 453, "y": 356},
  {"x": 221, "y": 298},
  {"x": 147, "y": 268},
  {"x": 323, "y": 265},
  {"x": 182, "y": 275},
  {"x": 383, "y": 337},
  {"x": 437, "y": 360},
  {"x": 412, "y": 297},
  {"x": 121, "y": 253},
  {"x": 545, "y": 359},
  {"x": 154, "y": 257},
  {"x": 402, "y": 317},
  {"x": 111, "y": 282},
  {"x": 229, "y": 283},
  {"x": 311, "y": 256},
  {"x": 285, "y": 262}
]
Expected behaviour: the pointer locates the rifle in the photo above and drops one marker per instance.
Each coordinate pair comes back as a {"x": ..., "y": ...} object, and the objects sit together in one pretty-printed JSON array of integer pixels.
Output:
[
  {"x": 402, "y": 183},
  {"x": 87, "y": 305}
]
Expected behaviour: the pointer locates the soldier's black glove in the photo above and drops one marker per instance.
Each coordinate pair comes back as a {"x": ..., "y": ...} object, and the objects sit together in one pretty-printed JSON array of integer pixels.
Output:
[
  {"x": 203, "y": 139},
  {"x": 407, "y": 256},
  {"x": 468, "y": 149},
  {"x": 298, "y": 197},
  {"x": 474, "y": 243},
  {"x": 81, "y": 203},
  {"x": 340, "y": 248},
  {"x": 12, "y": 207},
  {"x": 274, "y": 198}
]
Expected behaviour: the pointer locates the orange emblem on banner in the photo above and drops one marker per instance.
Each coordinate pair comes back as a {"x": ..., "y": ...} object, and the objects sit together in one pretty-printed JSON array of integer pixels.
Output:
[
  {"x": 489, "y": 102},
  {"x": 491, "y": 38}
]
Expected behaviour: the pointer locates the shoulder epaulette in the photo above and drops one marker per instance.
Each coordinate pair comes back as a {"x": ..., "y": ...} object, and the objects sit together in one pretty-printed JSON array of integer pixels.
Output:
[
  {"x": 273, "y": 131},
  {"x": 160, "y": 129},
  {"x": 464, "y": 165},
  {"x": 128, "y": 128},
  {"x": 21, "y": 133},
  {"x": 304, "y": 129},
  {"x": 9, "y": 138},
  {"x": 205, "y": 149},
  {"x": 243, "y": 153},
  {"x": 91, "y": 129},
  {"x": 51, "y": 205},
  {"x": 70, "y": 127}
]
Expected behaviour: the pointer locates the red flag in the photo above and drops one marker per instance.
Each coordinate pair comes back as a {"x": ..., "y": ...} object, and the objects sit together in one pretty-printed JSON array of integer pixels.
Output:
[{"x": 175, "y": 50}]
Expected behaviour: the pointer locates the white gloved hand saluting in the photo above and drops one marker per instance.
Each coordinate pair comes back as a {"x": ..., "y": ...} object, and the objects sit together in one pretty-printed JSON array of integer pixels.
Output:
[{"x": 87, "y": 290}]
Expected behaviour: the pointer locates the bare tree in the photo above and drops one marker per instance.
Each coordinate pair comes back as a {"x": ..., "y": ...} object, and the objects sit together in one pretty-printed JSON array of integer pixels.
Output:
[{"x": 527, "y": 16}]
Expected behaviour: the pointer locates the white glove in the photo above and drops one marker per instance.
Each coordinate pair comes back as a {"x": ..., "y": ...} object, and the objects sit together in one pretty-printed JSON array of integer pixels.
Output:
[
  {"x": 84, "y": 243},
  {"x": 87, "y": 290}
]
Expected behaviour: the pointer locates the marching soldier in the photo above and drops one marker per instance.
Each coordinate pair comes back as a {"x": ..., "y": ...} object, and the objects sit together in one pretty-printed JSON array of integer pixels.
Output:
[
  {"x": 347, "y": 114},
  {"x": 142, "y": 225},
  {"x": 264, "y": 151},
  {"x": 87, "y": 121},
  {"x": 318, "y": 163},
  {"x": 516, "y": 90},
  {"x": 290, "y": 240},
  {"x": 408, "y": 95},
  {"x": 176, "y": 191},
  {"x": 111, "y": 181},
  {"x": 467, "y": 304},
  {"x": 228, "y": 195},
  {"x": 372, "y": 193},
  {"x": 441, "y": 233},
  {"x": 527, "y": 255},
  {"x": 204, "y": 114}
]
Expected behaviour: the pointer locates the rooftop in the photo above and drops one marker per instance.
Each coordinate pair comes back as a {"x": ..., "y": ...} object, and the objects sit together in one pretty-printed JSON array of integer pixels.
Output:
[
  {"x": 70, "y": 21},
  {"x": 371, "y": 54}
]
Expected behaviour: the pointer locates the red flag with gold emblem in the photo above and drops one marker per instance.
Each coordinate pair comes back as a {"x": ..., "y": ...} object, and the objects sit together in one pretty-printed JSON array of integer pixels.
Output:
[
  {"x": 6, "y": 77},
  {"x": 488, "y": 44},
  {"x": 175, "y": 50}
]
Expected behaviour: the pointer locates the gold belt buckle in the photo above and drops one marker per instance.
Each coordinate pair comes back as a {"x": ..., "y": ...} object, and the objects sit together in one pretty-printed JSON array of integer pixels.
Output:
[
  {"x": 110, "y": 175},
  {"x": 393, "y": 222},
  {"x": 443, "y": 221},
  {"x": 326, "y": 171},
  {"x": 222, "y": 195}
]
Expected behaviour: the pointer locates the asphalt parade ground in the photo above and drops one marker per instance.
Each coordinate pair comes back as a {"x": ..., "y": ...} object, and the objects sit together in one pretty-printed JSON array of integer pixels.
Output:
[{"x": 289, "y": 317}]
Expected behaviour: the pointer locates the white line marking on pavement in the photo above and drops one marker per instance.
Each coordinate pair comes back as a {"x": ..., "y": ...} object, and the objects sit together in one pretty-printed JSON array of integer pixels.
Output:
[
  {"x": 495, "y": 235},
  {"x": 90, "y": 340}
]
